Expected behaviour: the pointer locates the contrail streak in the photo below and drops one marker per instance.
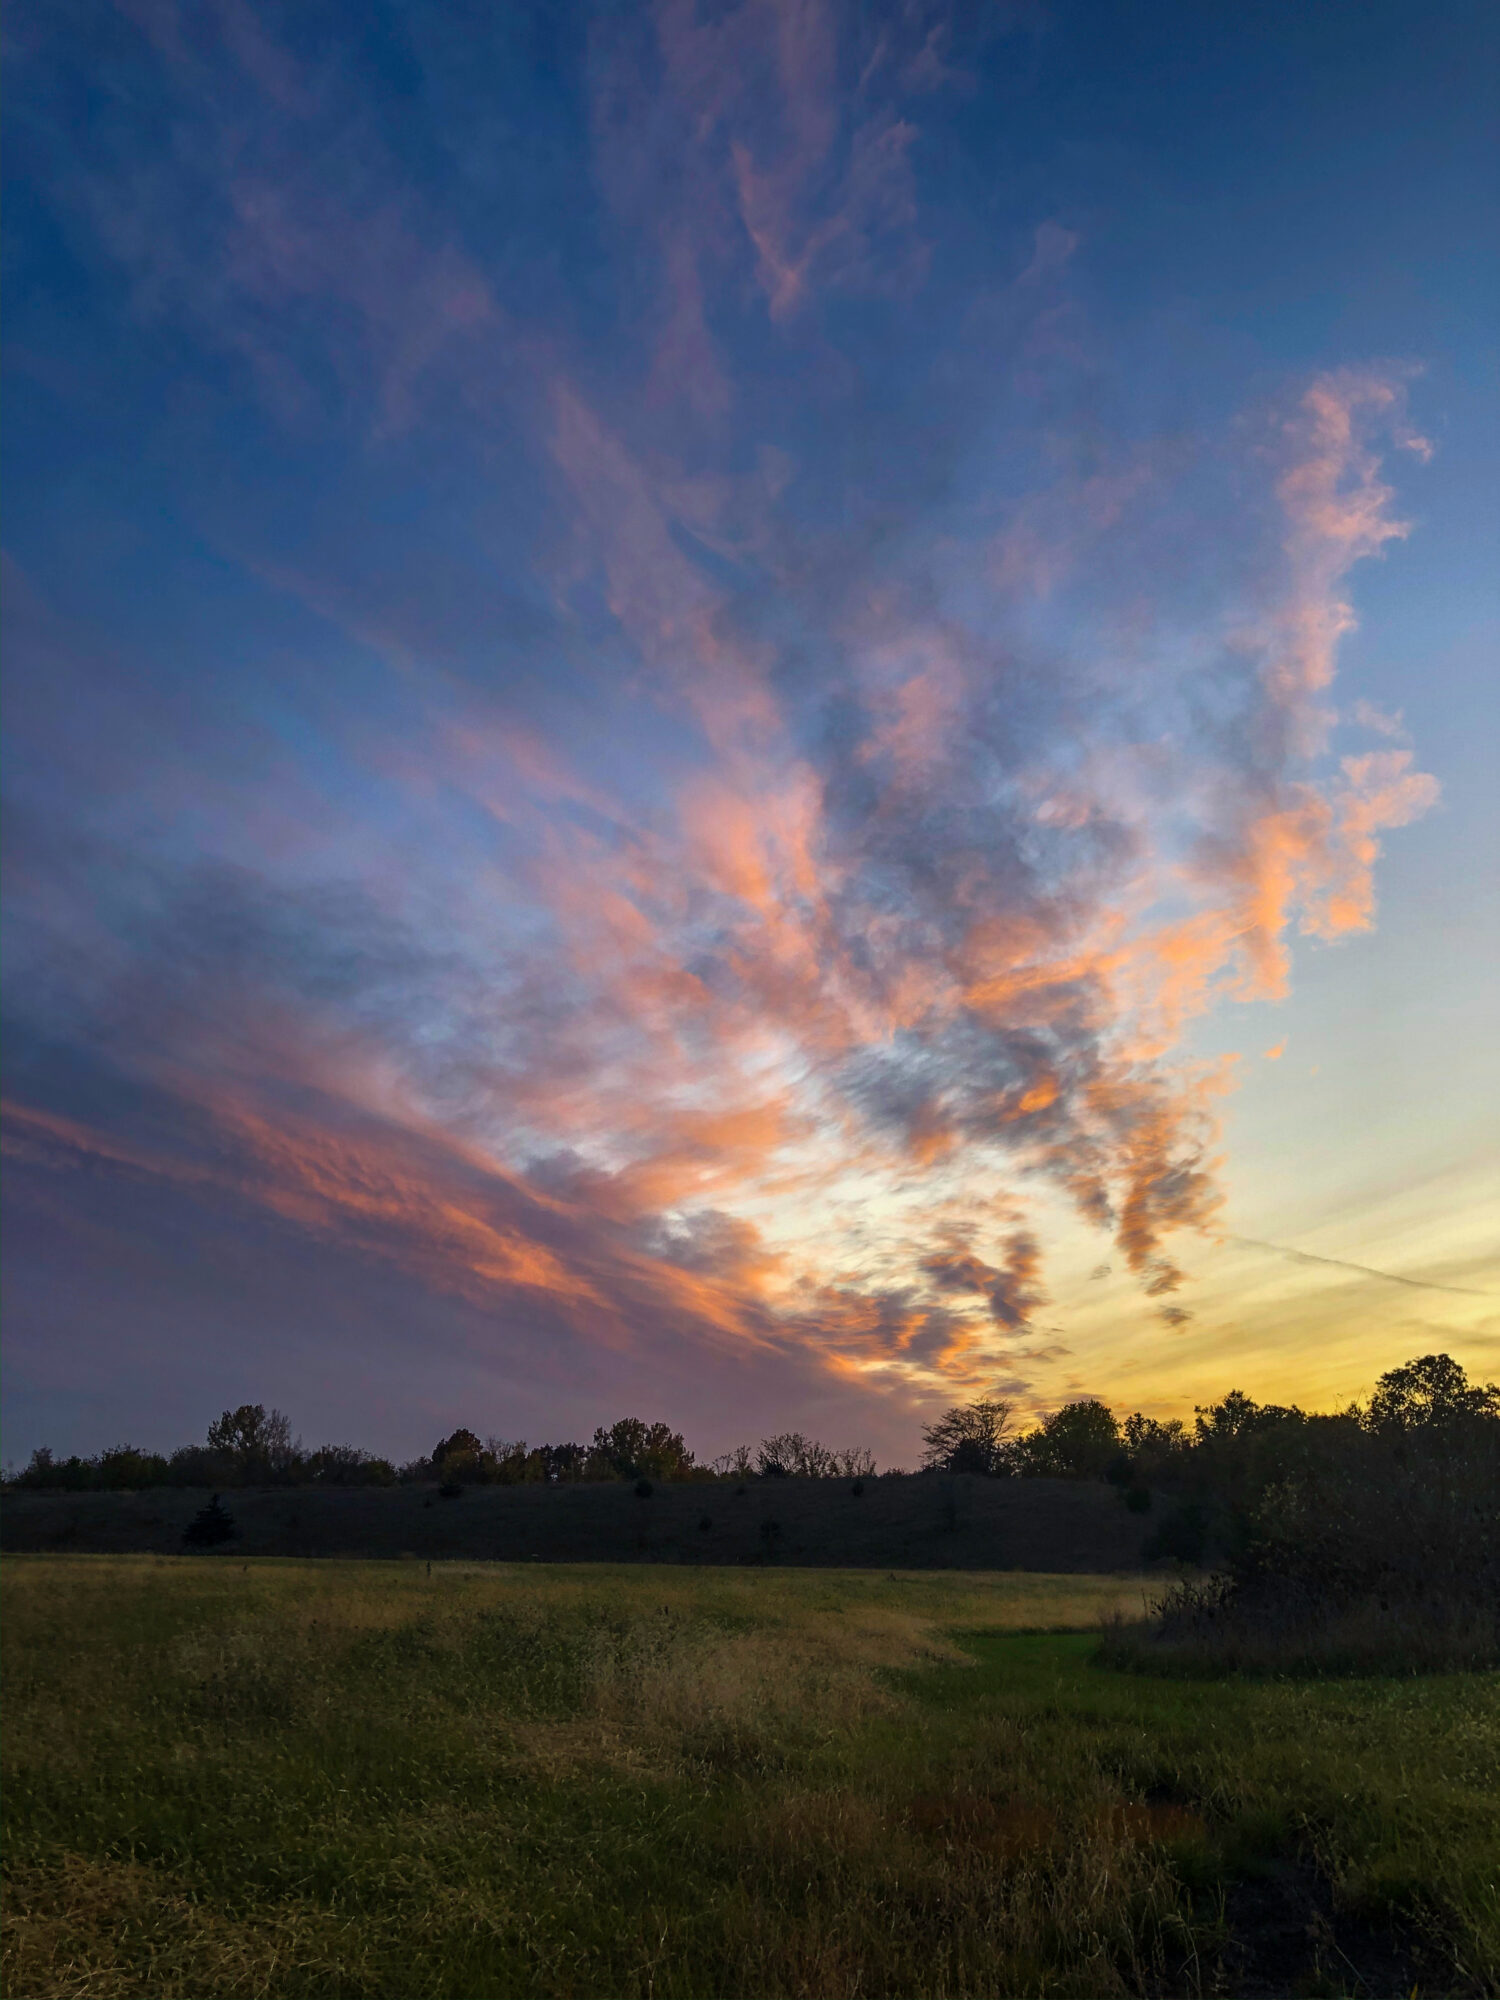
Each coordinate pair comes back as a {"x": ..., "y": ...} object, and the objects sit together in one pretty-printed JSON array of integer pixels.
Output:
[{"x": 1365, "y": 1270}]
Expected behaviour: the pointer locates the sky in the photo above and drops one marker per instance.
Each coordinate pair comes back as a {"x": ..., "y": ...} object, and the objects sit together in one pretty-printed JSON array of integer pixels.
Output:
[{"x": 758, "y": 712}]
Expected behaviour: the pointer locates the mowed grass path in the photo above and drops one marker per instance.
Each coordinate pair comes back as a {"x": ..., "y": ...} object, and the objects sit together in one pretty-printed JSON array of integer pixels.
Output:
[{"x": 291, "y": 1778}]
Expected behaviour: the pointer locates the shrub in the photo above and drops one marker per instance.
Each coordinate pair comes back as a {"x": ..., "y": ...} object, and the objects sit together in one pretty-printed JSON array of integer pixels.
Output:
[
  {"x": 450, "y": 1490},
  {"x": 643, "y": 1489}
]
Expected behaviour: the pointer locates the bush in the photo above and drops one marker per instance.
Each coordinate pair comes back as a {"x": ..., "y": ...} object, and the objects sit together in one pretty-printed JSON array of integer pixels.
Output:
[{"x": 643, "y": 1489}]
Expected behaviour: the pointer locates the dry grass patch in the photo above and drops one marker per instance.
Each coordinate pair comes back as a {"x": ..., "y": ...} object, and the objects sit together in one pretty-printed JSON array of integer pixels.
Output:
[{"x": 80, "y": 1928}]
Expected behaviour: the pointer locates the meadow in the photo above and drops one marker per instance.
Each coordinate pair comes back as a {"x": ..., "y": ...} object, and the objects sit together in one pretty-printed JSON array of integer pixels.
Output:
[{"x": 280, "y": 1777}]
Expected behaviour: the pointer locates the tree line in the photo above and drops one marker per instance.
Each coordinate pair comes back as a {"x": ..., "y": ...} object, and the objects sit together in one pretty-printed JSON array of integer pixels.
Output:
[
  {"x": 1202, "y": 1477},
  {"x": 1246, "y": 1475},
  {"x": 254, "y": 1446}
]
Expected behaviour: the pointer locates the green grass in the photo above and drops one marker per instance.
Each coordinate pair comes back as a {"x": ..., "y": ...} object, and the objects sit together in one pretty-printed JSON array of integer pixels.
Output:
[{"x": 358, "y": 1779}]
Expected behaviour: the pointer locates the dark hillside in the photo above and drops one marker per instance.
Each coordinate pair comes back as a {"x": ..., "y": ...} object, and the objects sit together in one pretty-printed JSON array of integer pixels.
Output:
[{"x": 917, "y": 1522}]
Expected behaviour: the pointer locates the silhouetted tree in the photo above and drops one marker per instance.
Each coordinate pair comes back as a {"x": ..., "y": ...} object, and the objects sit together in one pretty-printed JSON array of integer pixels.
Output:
[
  {"x": 557, "y": 1462},
  {"x": 968, "y": 1438},
  {"x": 210, "y": 1526},
  {"x": 347, "y": 1465},
  {"x": 1239, "y": 1416},
  {"x": 123, "y": 1466},
  {"x": 255, "y": 1442},
  {"x": 1156, "y": 1450},
  {"x": 459, "y": 1444},
  {"x": 790, "y": 1455},
  {"x": 1432, "y": 1390},
  {"x": 632, "y": 1449},
  {"x": 1079, "y": 1441}
]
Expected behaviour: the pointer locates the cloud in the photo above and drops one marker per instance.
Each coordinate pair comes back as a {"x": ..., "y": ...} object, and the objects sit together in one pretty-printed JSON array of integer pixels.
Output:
[
  {"x": 1362, "y": 1270},
  {"x": 671, "y": 840},
  {"x": 1369, "y": 715},
  {"x": 893, "y": 957},
  {"x": 1012, "y": 1291}
]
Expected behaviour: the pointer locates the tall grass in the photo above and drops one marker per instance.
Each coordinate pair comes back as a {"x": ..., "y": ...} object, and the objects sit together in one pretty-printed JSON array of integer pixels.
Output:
[{"x": 289, "y": 1778}]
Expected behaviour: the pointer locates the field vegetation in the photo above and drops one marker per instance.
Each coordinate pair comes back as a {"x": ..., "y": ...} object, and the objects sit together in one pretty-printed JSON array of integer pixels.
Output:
[
  {"x": 1365, "y": 1541},
  {"x": 286, "y": 1778}
]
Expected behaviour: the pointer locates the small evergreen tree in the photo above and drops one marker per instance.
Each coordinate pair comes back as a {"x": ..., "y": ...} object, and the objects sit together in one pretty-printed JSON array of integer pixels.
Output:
[{"x": 210, "y": 1526}]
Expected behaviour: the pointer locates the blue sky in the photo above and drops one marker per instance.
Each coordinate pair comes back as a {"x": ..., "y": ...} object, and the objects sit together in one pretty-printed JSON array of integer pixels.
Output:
[{"x": 690, "y": 690}]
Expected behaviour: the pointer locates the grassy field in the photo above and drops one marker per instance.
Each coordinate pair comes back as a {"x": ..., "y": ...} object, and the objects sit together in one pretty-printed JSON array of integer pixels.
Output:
[{"x": 288, "y": 1778}]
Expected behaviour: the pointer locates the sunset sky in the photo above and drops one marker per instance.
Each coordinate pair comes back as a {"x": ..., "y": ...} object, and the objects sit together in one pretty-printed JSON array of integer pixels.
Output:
[{"x": 767, "y": 714}]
